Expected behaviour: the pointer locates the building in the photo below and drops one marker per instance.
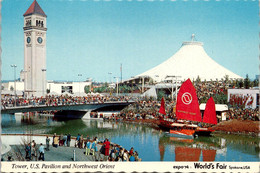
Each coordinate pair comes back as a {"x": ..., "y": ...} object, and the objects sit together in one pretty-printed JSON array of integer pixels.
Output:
[
  {"x": 54, "y": 88},
  {"x": 190, "y": 61},
  {"x": 248, "y": 98},
  {"x": 73, "y": 88},
  {"x": 35, "y": 50}
]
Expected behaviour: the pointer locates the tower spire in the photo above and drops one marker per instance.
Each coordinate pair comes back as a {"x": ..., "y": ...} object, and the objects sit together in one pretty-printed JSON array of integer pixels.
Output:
[{"x": 35, "y": 9}]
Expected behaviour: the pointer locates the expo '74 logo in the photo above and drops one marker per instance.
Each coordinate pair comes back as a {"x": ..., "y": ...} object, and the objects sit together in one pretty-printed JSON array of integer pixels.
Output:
[{"x": 186, "y": 98}]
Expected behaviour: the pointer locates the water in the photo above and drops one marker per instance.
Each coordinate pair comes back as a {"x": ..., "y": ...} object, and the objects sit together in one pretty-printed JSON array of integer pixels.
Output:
[{"x": 150, "y": 143}]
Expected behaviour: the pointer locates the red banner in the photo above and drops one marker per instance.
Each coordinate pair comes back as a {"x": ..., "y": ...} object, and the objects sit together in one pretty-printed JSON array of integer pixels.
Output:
[{"x": 187, "y": 103}]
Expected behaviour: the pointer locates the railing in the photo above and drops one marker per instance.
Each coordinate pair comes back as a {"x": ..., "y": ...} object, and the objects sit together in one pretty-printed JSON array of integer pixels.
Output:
[{"x": 71, "y": 106}]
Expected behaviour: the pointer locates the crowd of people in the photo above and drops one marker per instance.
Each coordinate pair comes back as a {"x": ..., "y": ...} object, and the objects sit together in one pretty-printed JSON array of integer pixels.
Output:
[
  {"x": 207, "y": 89},
  {"x": 107, "y": 151},
  {"x": 149, "y": 108},
  {"x": 31, "y": 151},
  {"x": 55, "y": 100},
  {"x": 243, "y": 114},
  {"x": 143, "y": 107}
]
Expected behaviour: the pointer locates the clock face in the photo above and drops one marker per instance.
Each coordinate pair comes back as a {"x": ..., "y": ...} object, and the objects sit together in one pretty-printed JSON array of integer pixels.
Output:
[
  {"x": 39, "y": 39},
  {"x": 28, "y": 39}
]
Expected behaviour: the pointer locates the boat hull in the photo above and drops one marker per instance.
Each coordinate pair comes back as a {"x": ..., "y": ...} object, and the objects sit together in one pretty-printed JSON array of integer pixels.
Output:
[
  {"x": 180, "y": 134},
  {"x": 203, "y": 132},
  {"x": 168, "y": 126}
]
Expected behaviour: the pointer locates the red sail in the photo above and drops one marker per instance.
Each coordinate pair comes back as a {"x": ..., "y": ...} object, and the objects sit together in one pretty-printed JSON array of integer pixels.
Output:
[
  {"x": 187, "y": 103},
  {"x": 210, "y": 112},
  {"x": 162, "y": 108}
]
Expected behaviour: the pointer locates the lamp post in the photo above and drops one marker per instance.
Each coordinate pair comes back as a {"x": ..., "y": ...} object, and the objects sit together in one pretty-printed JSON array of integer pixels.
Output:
[
  {"x": 24, "y": 87},
  {"x": 79, "y": 75},
  {"x": 43, "y": 70},
  {"x": 14, "y": 66},
  {"x": 110, "y": 73},
  {"x": 109, "y": 85}
]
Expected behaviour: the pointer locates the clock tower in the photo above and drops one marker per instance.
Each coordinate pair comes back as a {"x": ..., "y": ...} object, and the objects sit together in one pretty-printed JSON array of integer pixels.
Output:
[{"x": 35, "y": 50}]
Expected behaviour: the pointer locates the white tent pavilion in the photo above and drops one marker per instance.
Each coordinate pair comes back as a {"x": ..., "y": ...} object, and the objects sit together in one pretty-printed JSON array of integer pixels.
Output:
[{"x": 190, "y": 61}]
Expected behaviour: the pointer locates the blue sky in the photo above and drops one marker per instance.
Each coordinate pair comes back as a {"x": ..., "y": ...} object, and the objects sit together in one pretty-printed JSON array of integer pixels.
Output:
[{"x": 93, "y": 38}]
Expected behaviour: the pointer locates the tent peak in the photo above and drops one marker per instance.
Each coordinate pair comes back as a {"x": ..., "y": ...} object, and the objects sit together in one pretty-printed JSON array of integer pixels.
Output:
[
  {"x": 196, "y": 43},
  {"x": 192, "y": 42}
]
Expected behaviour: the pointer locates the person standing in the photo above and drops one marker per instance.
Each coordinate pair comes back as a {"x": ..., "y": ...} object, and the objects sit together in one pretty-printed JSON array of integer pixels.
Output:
[
  {"x": 132, "y": 158},
  {"x": 61, "y": 140},
  {"x": 125, "y": 156},
  {"x": 131, "y": 151},
  {"x": 34, "y": 148},
  {"x": 53, "y": 139},
  {"x": 65, "y": 140},
  {"x": 107, "y": 147},
  {"x": 47, "y": 143},
  {"x": 41, "y": 151},
  {"x": 77, "y": 141},
  {"x": 88, "y": 147},
  {"x": 94, "y": 147},
  {"x": 56, "y": 141},
  {"x": 68, "y": 139},
  {"x": 28, "y": 151}
]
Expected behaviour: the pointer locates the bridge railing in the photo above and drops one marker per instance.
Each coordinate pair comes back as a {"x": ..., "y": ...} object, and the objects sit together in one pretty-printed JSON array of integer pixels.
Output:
[{"x": 56, "y": 102}]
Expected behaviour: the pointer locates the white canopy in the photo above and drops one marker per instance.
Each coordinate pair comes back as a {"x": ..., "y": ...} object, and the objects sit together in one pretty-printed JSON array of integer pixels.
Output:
[
  {"x": 150, "y": 93},
  {"x": 219, "y": 107},
  {"x": 190, "y": 61}
]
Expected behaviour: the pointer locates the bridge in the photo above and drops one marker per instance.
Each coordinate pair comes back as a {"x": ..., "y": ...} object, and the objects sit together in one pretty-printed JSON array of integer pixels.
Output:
[{"x": 86, "y": 107}]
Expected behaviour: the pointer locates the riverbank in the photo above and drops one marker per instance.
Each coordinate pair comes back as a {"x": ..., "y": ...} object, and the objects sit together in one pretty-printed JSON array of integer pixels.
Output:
[
  {"x": 238, "y": 126},
  {"x": 232, "y": 126}
]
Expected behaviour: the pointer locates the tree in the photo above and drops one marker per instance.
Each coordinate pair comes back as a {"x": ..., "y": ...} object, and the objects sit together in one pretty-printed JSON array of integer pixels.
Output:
[
  {"x": 255, "y": 83},
  {"x": 247, "y": 82},
  {"x": 220, "y": 98},
  {"x": 124, "y": 89},
  {"x": 239, "y": 83},
  {"x": 226, "y": 78},
  {"x": 198, "y": 80},
  {"x": 11, "y": 88},
  {"x": 87, "y": 88}
]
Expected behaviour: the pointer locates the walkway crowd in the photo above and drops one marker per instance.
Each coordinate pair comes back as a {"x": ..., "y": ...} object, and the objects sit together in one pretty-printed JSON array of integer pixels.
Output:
[
  {"x": 106, "y": 151},
  {"x": 54, "y": 100}
]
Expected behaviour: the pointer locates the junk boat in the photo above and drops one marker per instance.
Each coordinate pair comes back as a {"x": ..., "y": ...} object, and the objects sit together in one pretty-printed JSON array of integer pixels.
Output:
[{"x": 187, "y": 108}]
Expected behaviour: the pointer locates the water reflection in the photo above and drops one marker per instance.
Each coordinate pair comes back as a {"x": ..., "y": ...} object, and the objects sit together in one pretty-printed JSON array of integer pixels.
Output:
[
  {"x": 241, "y": 143},
  {"x": 190, "y": 149},
  {"x": 151, "y": 144}
]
